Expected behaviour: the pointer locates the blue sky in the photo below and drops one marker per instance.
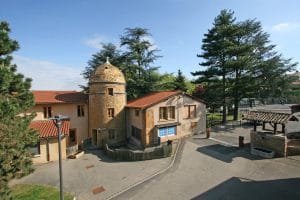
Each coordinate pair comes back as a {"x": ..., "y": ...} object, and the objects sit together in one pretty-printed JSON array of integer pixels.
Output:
[{"x": 57, "y": 38}]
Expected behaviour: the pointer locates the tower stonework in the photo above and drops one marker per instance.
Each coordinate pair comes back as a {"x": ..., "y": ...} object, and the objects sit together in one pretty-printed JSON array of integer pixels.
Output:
[{"x": 107, "y": 100}]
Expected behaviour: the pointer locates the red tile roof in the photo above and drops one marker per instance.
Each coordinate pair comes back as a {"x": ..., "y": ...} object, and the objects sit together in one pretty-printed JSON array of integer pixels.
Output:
[
  {"x": 47, "y": 97},
  {"x": 47, "y": 128},
  {"x": 151, "y": 99}
]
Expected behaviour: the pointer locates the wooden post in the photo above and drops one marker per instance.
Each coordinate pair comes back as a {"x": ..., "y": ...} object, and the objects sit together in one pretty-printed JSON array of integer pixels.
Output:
[
  {"x": 283, "y": 128},
  {"x": 254, "y": 125},
  {"x": 275, "y": 128},
  {"x": 264, "y": 126}
]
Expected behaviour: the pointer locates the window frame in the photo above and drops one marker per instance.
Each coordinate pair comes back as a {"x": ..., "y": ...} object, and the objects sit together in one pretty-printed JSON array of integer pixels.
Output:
[
  {"x": 80, "y": 110},
  {"x": 75, "y": 136},
  {"x": 171, "y": 108},
  {"x": 110, "y": 91},
  {"x": 189, "y": 116},
  {"x": 47, "y": 112},
  {"x": 163, "y": 113},
  {"x": 111, "y": 112}
]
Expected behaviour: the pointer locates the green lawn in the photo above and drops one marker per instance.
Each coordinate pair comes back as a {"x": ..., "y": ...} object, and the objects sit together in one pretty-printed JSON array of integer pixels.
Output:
[
  {"x": 32, "y": 192},
  {"x": 216, "y": 118}
]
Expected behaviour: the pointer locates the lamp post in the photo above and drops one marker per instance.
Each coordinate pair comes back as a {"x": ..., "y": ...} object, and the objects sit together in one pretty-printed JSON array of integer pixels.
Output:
[{"x": 58, "y": 120}]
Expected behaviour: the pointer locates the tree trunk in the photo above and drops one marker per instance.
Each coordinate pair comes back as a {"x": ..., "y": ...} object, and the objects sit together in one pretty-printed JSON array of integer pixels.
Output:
[
  {"x": 236, "y": 110},
  {"x": 224, "y": 118}
]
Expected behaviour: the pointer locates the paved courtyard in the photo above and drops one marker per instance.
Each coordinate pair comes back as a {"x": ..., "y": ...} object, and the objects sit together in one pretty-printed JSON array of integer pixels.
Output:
[
  {"x": 94, "y": 170},
  {"x": 203, "y": 169}
]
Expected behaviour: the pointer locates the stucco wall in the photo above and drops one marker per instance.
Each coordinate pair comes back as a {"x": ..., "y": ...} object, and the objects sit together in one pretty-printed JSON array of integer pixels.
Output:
[
  {"x": 70, "y": 110},
  {"x": 136, "y": 121},
  {"x": 150, "y": 119},
  {"x": 53, "y": 150}
]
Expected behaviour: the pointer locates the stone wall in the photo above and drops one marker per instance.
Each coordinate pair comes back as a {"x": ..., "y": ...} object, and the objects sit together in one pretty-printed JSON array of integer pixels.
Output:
[{"x": 276, "y": 143}]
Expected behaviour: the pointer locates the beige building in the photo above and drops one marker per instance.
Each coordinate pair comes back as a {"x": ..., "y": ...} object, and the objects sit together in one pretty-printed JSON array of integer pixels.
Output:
[
  {"x": 104, "y": 116},
  {"x": 162, "y": 116},
  {"x": 51, "y": 103}
]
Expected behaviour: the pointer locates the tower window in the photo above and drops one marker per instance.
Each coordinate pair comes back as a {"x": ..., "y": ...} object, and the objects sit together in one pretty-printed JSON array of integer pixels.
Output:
[
  {"x": 111, "y": 112},
  {"x": 110, "y": 91}
]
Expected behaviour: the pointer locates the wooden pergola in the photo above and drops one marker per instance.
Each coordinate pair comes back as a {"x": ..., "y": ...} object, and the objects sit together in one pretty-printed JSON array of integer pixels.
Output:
[{"x": 268, "y": 117}]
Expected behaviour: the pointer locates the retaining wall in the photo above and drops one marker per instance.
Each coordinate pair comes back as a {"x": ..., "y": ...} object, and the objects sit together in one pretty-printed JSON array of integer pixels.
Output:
[{"x": 148, "y": 154}]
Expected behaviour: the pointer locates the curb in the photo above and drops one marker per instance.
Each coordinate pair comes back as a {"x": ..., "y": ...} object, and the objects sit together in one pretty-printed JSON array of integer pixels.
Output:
[{"x": 148, "y": 177}]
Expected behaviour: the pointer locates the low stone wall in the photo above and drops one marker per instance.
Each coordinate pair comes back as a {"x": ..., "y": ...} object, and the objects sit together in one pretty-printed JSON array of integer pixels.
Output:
[
  {"x": 276, "y": 143},
  {"x": 131, "y": 155}
]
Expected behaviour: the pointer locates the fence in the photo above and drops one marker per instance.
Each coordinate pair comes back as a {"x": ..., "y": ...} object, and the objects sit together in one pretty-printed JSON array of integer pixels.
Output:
[{"x": 131, "y": 155}]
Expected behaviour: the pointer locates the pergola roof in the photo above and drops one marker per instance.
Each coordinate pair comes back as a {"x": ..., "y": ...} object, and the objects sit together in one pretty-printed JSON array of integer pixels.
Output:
[{"x": 269, "y": 117}]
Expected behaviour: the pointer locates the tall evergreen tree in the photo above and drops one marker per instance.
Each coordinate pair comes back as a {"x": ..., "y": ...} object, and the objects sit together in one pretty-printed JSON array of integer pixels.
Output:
[
  {"x": 215, "y": 45},
  {"x": 180, "y": 82},
  {"x": 240, "y": 59},
  {"x": 15, "y": 98},
  {"x": 140, "y": 55}
]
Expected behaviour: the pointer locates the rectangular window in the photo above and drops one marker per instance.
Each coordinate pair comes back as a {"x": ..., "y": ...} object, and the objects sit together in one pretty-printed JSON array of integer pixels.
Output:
[
  {"x": 72, "y": 136},
  {"x": 167, "y": 131},
  {"x": 137, "y": 112},
  {"x": 111, "y": 134},
  {"x": 110, "y": 91},
  {"x": 111, "y": 112},
  {"x": 35, "y": 149},
  {"x": 47, "y": 112},
  {"x": 190, "y": 111},
  {"x": 163, "y": 114},
  {"x": 171, "y": 110},
  {"x": 80, "y": 110},
  {"x": 136, "y": 132}
]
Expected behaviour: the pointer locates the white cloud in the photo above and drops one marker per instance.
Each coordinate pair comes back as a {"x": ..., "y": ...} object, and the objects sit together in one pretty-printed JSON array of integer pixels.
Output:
[
  {"x": 95, "y": 41},
  {"x": 49, "y": 76},
  {"x": 286, "y": 27}
]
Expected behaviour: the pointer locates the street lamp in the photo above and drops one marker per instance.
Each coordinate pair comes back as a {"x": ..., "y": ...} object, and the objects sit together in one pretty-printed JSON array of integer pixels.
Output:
[{"x": 58, "y": 120}]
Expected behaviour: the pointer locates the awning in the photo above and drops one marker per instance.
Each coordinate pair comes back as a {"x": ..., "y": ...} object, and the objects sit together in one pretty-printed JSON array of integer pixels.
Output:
[{"x": 269, "y": 117}]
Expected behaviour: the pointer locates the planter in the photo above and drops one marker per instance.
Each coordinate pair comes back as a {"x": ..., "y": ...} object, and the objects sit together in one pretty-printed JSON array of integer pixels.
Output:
[{"x": 265, "y": 153}]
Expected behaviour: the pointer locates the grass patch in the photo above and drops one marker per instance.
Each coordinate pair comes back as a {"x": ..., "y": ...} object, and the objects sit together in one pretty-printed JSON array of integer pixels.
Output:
[{"x": 32, "y": 192}]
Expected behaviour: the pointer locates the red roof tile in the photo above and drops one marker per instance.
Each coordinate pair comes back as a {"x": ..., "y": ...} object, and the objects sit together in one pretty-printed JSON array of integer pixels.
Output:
[
  {"x": 46, "y": 97},
  {"x": 47, "y": 128},
  {"x": 151, "y": 99}
]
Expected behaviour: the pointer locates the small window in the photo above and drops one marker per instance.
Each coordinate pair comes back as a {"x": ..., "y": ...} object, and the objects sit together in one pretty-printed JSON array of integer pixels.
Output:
[
  {"x": 137, "y": 112},
  {"x": 72, "y": 136},
  {"x": 47, "y": 112},
  {"x": 163, "y": 114},
  {"x": 190, "y": 111},
  {"x": 171, "y": 110},
  {"x": 110, "y": 91},
  {"x": 80, "y": 110},
  {"x": 111, "y": 134},
  {"x": 111, "y": 112}
]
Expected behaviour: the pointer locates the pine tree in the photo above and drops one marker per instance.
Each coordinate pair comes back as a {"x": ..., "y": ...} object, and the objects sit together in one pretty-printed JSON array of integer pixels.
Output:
[
  {"x": 215, "y": 45},
  {"x": 180, "y": 82},
  {"x": 15, "y": 98},
  {"x": 140, "y": 54}
]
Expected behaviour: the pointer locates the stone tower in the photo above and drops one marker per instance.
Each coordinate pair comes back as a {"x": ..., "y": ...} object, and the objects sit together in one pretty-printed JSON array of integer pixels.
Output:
[{"x": 107, "y": 100}]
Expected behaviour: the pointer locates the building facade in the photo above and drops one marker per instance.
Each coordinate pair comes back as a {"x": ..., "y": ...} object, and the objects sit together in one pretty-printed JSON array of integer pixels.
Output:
[
  {"x": 162, "y": 116},
  {"x": 104, "y": 116}
]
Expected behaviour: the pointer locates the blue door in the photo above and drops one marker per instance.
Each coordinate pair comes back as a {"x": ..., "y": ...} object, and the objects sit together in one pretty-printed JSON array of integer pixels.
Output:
[{"x": 167, "y": 131}]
